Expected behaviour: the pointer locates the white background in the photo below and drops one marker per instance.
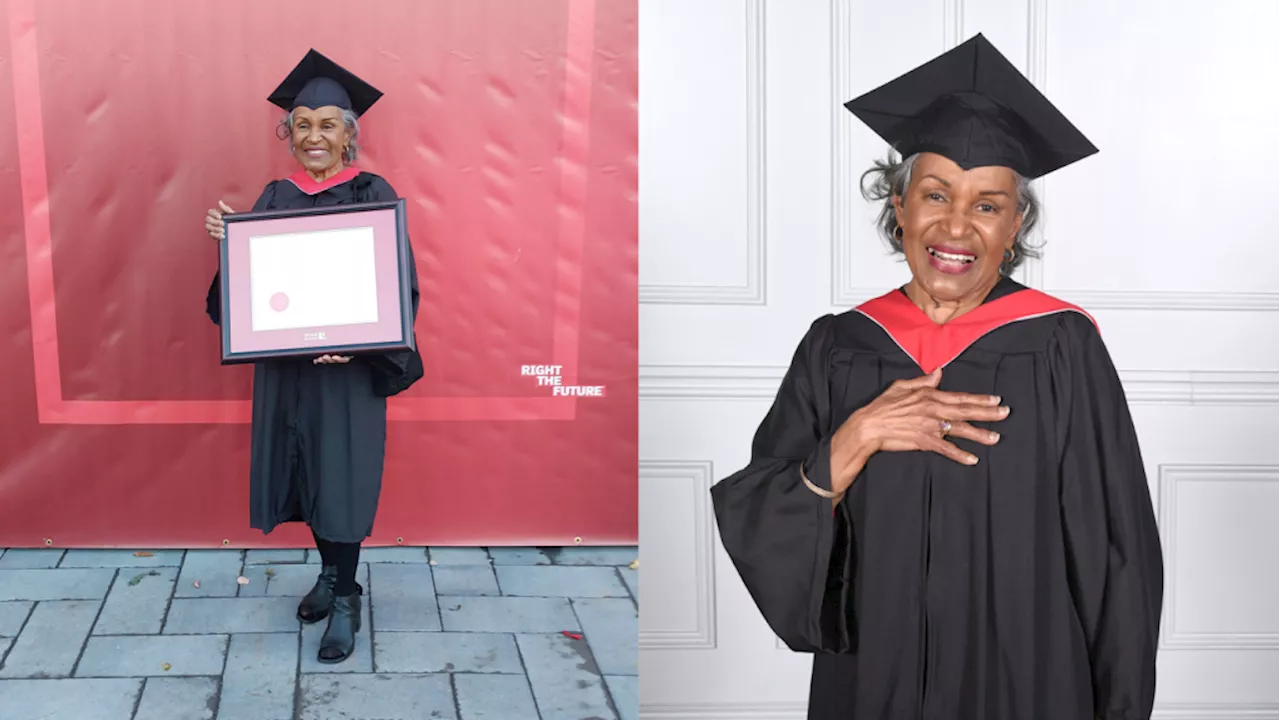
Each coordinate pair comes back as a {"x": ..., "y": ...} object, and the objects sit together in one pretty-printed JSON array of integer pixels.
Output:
[
  {"x": 751, "y": 226},
  {"x": 329, "y": 277}
]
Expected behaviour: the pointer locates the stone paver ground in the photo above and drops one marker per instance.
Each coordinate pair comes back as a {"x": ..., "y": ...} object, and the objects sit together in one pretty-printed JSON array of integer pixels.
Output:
[{"x": 448, "y": 633}]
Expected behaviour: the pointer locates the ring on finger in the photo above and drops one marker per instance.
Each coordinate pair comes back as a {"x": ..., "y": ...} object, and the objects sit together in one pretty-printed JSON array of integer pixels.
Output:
[{"x": 945, "y": 427}]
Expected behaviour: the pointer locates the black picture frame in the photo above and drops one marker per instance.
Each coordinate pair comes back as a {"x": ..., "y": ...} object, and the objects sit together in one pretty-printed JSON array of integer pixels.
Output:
[{"x": 405, "y": 343}]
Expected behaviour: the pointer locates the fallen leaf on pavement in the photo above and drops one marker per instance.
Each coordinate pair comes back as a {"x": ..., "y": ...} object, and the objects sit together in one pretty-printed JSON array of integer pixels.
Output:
[
  {"x": 166, "y": 667},
  {"x": 271, "y": 572},
  {"x": 196, "y": 584},
  {"x": 142, "y": 553},
  {"x": 242, "y": 580},
  {"x": 635, "y": 564},
  {"x": 137, "y": 579}
]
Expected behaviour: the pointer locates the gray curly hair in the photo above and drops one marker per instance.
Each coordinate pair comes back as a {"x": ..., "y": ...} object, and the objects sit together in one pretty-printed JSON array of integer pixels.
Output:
[
  {"x": 285, "y": 131},
  {"x": 891, "y": 177}
]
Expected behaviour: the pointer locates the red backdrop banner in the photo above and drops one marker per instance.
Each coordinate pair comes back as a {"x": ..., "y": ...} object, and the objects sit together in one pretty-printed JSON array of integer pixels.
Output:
[{"x": 510, "y": 129}]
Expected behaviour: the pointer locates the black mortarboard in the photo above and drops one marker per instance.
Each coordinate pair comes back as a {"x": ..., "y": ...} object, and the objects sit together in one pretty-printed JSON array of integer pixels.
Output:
[
  {"x": 318, "y": 82},
  {"x": 972, "y": 106}
]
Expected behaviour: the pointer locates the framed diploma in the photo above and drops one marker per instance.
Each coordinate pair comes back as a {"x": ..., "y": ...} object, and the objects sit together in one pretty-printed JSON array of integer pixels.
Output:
[{"x": 324, "y": 281}]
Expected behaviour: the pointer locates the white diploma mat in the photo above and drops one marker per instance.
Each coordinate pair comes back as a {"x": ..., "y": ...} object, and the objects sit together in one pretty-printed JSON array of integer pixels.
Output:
[{"x": 313, "y": 279}]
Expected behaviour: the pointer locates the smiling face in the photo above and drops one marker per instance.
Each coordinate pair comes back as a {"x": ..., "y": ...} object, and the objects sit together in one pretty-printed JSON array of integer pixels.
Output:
[
  {"x": 956, "y": 226},
  {"x": 319, "y": 137}
]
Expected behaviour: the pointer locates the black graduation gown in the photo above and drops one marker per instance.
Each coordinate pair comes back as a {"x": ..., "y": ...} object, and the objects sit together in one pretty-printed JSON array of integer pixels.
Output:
[
  {"x": 1027, "y": 587},
  {"x": 319, "y": 431}
]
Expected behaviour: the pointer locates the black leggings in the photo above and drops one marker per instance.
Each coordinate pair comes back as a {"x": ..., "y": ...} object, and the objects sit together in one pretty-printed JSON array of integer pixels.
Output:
[{"x": 346, "y": 556}]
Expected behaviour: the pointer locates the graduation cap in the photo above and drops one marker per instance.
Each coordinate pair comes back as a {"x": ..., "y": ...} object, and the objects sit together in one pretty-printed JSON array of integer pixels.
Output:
[
  {"x": 971, "y": 105},
  {"x": 318, "y": 82}
]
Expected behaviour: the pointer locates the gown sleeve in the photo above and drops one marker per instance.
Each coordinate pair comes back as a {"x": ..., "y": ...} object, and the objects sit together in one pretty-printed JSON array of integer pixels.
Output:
[
  {"x": 784, "y": 540},
  {"x": 1113, "y": 543},
  {"x": 213, "y": 301},
  {"x": 396, "y": 370}
]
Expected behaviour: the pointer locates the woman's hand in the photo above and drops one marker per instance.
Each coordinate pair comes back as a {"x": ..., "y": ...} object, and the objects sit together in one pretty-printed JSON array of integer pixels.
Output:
[
  {"x": 213, "y": 221},
  {"x": 912, "y": 415},
  {"x": 332, "y": 360}
]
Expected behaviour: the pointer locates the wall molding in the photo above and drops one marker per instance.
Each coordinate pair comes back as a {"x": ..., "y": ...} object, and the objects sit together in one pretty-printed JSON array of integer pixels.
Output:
[
  {"x": 952, "y": 23},
  {"x": 1165, "y": 300},
  {"x": 698, "y": 474},
  {"x": 847, "y": 216},
  {"x": 725, "y": 711},
  {"x": 753, "y": 291},
  {"x": 709, "y": 382},
  {"x": 1195, "y": 387},
  {"x": 1216, "y": 711},
  {"x": 844, "y": 177},
  {"x": 1142, "y": 387},
  {"x": 798, "y": 711},
  {"x": 1170, "y": 476},
  {"x": 1127, "y": 300},
  {"x": 1031, "y": 272}
]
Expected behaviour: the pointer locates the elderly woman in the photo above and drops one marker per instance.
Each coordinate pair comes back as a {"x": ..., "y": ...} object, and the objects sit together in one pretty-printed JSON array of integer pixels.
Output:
[
  {"x": 319, "y": 425},
  {"x": 946, "y": 502}
]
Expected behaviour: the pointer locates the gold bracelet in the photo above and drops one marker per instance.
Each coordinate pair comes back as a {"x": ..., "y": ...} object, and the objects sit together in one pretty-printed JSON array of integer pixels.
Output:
[{"x": 828, "y": 494}]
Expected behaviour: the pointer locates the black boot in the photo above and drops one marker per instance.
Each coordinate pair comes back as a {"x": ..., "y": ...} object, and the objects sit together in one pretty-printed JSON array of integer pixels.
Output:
[
  {"x": 315, "y": 605},
  {"x": 339, "y": 640}
]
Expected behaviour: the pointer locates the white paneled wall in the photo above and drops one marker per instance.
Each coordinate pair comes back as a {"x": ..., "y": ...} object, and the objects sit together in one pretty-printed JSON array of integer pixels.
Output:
[{"x": 752, "y": 226}]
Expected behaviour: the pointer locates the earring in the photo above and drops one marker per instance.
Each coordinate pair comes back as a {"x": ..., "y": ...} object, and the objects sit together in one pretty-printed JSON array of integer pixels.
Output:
[
  {"x": 1009, "y": 256},
  {"x": 897, "y": 232}
]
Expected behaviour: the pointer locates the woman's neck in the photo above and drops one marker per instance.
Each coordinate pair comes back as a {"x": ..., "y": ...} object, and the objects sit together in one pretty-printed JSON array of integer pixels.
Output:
[
  {"x": 943, "y": 311},
  {"x": 328, "y": 173}
]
